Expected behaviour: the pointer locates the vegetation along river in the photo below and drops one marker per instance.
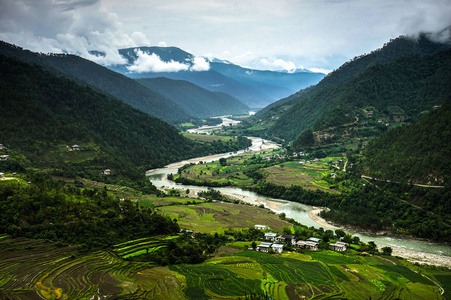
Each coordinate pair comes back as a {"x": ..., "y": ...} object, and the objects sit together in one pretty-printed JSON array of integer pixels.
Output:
[{"x": 414, "y": 249}]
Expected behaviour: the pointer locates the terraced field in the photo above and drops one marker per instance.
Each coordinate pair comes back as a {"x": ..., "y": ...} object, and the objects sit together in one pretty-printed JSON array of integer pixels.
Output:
[
  {"x": 39, "y": 269},
  {"x": 142, "y": 246}
]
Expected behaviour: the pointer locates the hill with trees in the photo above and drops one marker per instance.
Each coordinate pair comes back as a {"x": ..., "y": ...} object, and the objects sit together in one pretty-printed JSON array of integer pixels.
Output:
[
  {"x": 417, "y": 153},
  {"x": 396, "y": 82},
  {"x": 195, "y": 100},
  {"x": 104, "y": 80},
  {"x": 42, "y": 115}
]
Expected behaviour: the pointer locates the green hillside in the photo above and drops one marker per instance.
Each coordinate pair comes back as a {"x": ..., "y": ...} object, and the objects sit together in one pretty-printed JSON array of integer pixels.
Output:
[
  {"x": 193, "y": 99},
  {"x": 105, "y": 80},
  {"x": 417, "y": 153},
  {"x": 42, "y": 115},
  {"x": 410, "y": 74}
]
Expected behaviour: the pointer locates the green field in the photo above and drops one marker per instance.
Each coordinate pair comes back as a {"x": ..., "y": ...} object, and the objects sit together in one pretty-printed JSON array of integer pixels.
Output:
[{"x": 215, "y": 217}]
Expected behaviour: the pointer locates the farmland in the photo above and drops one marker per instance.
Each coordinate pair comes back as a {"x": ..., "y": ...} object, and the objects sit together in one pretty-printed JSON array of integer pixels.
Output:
[
  {"x": 247, "y": 170},
  {"x": 40, "y": 269}
]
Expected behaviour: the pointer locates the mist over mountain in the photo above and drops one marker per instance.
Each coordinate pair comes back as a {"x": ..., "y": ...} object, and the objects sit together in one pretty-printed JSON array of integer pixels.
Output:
[
  {"x": 253, "y": 87},
  {"x": 104, "y": 80}
]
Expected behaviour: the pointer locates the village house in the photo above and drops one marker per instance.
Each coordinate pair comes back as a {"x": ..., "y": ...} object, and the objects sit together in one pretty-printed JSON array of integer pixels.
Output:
[
  {"x": 1, "y": 175},
  {"x": 76, "y": 148},
  {"x": 106, "y": 172},
  {"x": 284, "y": 238},
  {"x": 333, "y": 175},
  {"x": 264, "y": 247},
  {"x": 278, "y": 248},
  {"x": 4, "y": 157},
  {"x": 261, "y": 227},
  {"x": 2, "y": 147},
  {"x": 307, "y": 245},
  {"x": 271, "y": 236},
  {"x": 314, "y": 239},
  {"x": 338, "y": 246}
]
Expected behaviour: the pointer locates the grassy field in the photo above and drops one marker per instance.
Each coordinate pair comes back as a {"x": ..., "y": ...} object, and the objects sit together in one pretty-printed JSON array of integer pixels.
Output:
[
  {"x": 207, "y": 138},
  {"x": 241, "y": 171},
  {"x": 215, "y": 217}
]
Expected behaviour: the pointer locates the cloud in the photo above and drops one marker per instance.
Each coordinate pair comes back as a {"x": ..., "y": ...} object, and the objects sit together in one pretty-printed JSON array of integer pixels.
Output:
[
  {"x": 320, "y": 70},
  {"x": 279, "y": 64},
  {"x": 200, "y": 64},
  {"x": 69, "y": 26},
  {"x": 152, "y": 63},
  {"x": 162, "y": 44}
]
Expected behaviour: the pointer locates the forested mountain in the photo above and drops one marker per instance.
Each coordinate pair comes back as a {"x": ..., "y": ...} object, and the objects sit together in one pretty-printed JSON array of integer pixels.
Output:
[
  {"x": 42, "y": 115},
  {"x": 252, "y": 87},
  {"x": 403, "y": 78},
  {"x": 107, "y": 81},
  {"x": 416, "y": 153},
  {"x": 193, "y": 99}
]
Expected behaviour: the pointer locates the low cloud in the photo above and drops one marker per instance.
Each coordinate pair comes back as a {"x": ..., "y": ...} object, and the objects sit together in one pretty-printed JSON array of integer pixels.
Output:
[
  {"x": 200, "y": 64},
  {"x": 279, "y": 64},
  {"x": 152, "y": 63}
]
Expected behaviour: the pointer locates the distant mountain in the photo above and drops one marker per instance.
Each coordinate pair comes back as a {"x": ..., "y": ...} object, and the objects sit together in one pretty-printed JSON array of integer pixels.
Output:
[
  {"x": 252, "y": 87},
  {"x": 195, "y": 100},
  {"x": 103, "y": 79},
  {"x": 405, "y": 77}
]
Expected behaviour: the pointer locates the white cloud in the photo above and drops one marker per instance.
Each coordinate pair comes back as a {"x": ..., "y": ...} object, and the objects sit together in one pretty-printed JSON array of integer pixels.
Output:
[
  {"x": 162, "y": 44},
  {"x": 152, "y": 63},
  {"x": 200, "y": 64},
  {"x": 320, "y": 70},
  {"x": 279, "y": 64}
]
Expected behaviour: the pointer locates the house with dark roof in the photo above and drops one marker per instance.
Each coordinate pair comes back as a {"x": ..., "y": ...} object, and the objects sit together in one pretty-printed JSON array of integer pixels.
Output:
[{"x": 284, "y": 238}]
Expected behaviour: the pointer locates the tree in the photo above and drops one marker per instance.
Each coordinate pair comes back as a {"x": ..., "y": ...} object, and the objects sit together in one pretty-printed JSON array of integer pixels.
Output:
[
  {"x": 387, "y": 251},
  {"x": 223, "y": 161},
  {"x": 254, "y": 245}
]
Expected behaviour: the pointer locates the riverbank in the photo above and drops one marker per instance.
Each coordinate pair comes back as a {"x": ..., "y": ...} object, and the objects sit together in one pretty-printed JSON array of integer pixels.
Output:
[{"x": 408, "y": 254}]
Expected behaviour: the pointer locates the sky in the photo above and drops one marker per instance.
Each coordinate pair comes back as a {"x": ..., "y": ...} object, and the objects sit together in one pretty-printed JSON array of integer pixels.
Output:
[{"x": 319, "y": 35}]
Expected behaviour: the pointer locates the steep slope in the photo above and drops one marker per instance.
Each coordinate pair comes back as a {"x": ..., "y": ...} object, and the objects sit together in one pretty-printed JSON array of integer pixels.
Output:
[
  {"x": 42, "y": 114},
  {"x": 107, "y": 81},
  {"x": 393, "y": 76},
  {"x": 416, "y": 153},
  {"x": 193, "y": 99}
]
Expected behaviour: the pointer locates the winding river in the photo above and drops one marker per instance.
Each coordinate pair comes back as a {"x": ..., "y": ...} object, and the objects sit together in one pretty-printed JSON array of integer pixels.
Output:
[{"x": 297, "y": 211}]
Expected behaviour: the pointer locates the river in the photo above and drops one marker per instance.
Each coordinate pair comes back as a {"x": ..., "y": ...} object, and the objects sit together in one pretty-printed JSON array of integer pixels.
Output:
[{"x": 300, "y": 212}]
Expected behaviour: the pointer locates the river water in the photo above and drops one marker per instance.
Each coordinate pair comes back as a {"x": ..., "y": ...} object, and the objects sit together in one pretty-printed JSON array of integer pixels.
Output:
[{"x": 297, "y": 211}]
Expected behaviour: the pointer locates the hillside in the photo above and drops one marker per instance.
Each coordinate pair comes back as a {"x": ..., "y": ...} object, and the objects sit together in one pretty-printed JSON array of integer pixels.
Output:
[
  {"x": 252, "y": 87},
  {"x": 416, "y": 153},
  {"x": 105, "y": 80},
  {"x": 403, "y": 78},
  {"x": 193, "y": 99},
  {"x": 43, "y": 115}
]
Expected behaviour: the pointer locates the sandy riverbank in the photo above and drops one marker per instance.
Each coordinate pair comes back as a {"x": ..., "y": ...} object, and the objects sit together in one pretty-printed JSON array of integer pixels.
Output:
[{"x": 410, "y": 255}]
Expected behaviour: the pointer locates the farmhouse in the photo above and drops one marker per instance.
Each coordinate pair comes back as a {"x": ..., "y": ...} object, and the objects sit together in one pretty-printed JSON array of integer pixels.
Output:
[
  {"x": 262, "y": 227},
  {"x": 314, "y": 239},
  {"x": 4, "y": 157},
  {"x": 2, "y": 147},
  {"x": 264, "y": 247},
  {"x": 338, "y": 246},
  {"x": 278, "y": 248},
  {"x": 307, "y": 245},
  {"x": 76, "y": 148},
  {"x": 271, "y": 236},
  {"x": 106, "y": 172},
  {"x": 1, "y": 175},
  {"x": 286, "y": 238}
]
